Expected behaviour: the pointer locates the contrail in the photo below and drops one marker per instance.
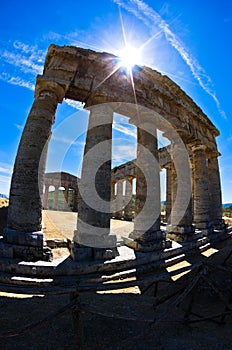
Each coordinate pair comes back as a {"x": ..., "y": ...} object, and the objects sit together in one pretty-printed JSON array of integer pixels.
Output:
[{"x": 152, "y": 19}]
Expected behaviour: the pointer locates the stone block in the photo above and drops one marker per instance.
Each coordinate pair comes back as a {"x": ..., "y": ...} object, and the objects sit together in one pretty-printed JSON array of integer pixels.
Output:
[
  {"x": 105, "y": 253},
  {"x": 185, "y": 237},
  {"x": 148, "y": 246},
  {"x": 180, "y": 229},
  {"x": 148, "y": 236},
  {"x": 81, "y": 253},
  {"x": 32, "y": 253},
  {"x": 95, "y": 240},
  {"x": 6, "y": 250},
  {"x": 31, "y": 239}
]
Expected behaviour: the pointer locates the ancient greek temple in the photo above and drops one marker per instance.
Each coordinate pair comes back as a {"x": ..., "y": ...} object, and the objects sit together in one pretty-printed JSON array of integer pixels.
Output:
[
  {"x": 151, "y": 102},
  {"x": 67, "y": 182}
]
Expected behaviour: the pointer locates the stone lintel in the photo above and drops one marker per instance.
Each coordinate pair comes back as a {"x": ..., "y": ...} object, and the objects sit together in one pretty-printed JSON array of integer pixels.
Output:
[{"x": 31, "y": 239}]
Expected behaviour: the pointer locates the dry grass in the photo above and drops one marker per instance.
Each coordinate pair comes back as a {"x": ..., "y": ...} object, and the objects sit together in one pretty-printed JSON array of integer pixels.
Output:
[
  {"x": 4, "y": 202},
  {"x": 228, "y": 221},
  {"x": 49, "y": 229}
]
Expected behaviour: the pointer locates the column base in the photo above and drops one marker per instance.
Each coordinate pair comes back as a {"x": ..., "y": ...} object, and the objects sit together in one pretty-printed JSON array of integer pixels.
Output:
[
  {"x": 128, "y": 217},
  {"x": 147, "y": 246},
  {"x": 219, "y": 224},
  {"x": 27, "y": 245},
  {"x": 84, "y": 253},
  {"x": 147, "y": 241},
  {"x": 148, "y": 235},
  {"x": 181, "y": 233},
  {"x": 89, "y": 239}
]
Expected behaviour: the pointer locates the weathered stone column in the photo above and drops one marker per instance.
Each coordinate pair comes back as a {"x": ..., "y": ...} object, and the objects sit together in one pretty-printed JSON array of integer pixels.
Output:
[
  {"x": 180, "y": 228},
  {"x": 147, "y": 235},
  {"x": 113, "y": 198},
  {"x": 45, "y": 196},
  {"x": 128, "y": 215},
  {"x": 119, "y": 213},
  {"x": 25, "y": 209},
  {"x": 168, "y": 192},
  {"x": 75, "y": 200},
  {"x": 92, "y": 237},
  {"x": 66, "y": 192},
  {"x": 201, "y": 189},
  {"x": 215, "y": 191},
  {"x": 56, "y": 198}
]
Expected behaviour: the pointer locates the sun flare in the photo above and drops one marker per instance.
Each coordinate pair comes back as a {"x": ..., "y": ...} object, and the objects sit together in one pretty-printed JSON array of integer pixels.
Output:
[{"x": 129, "y": 56}]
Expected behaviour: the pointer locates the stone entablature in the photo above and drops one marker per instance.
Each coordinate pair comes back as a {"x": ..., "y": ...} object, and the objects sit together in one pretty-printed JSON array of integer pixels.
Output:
[
  {"x": 128, "y": 169},
  {"x": 81, "y": 73},
  {"x": 61, "y": 179}
]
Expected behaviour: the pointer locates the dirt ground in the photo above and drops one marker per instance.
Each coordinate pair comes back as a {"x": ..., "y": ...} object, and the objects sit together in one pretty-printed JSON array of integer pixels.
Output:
[{"x": 172, "y": 330}]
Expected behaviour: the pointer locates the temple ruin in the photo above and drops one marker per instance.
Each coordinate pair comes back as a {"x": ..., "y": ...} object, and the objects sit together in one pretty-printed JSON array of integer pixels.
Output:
[
  {"x": 67, "y": 182},
  {"x": 191, "y": 162}
]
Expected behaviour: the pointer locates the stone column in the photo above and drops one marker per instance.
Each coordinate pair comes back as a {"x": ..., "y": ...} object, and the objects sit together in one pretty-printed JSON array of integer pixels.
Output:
[
  {"x": 75, "y": 200},
  {"x": 128, "y": 215},
  {"x": 119, "y": 213},
  {"x": 180, "y": 228},
  {"x": 45, "y": 196},
  {"x": 215, "y": 191},
  {"x": 168, "y": 192},
  {"x": 56, "y": 198},
  {"x": 25, "y": 209},
  {"x": 147, "y": 235},
  {"x": 92, "y": 237},
  {"x": 201, "y": 189},
  {"x": 113, "y": 198},
  {"x": 66, "y": 191}
]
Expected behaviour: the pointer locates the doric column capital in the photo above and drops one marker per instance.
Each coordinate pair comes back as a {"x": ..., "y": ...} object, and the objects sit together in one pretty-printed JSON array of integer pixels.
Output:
[{"x": 43, "y": 84}]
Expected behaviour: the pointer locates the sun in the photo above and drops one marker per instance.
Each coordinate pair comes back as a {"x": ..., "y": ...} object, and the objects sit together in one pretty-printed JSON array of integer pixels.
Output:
[{"x": 129, "y": 56}]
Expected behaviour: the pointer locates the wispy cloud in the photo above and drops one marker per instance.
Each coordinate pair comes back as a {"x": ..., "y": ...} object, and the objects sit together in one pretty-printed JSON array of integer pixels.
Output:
[
  {"x": 126, "y": 129},
  {"x": 123, "y": 153},
  {"x": 73, "y": 38},
  {"x": 152, "y": 19},
  {"x": 5, "y": 184},
  {"x": 74, "y": 104},
  {"x": 5, "y": 168},
  {"x": 29, "y": 59},
  {"x": 5, "y": 177},
  {"x": 22, "y": 63},
  {"x": 15, "y": 80},
  {"x": 19, "y": 127},
  {"x": 25, "y": 64},
  {"x": 68, "y": 141}
]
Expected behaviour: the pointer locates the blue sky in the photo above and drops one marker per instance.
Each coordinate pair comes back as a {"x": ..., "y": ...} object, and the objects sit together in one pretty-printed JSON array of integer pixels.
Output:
[{"x": 190, "y": 41}]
